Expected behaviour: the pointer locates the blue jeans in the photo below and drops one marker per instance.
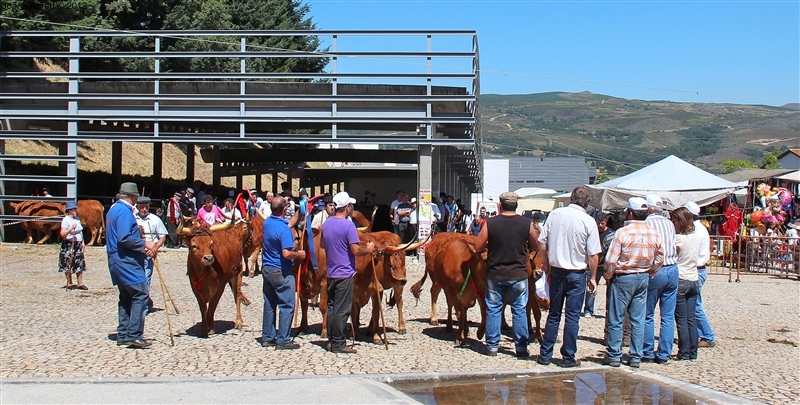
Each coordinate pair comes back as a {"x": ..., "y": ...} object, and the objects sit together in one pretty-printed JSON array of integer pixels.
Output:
[
  {"x": 688, "y": 293},
  {"x": 628, "y": 294},
  {"x": 131, "y": 309},
  {"x": 567, "y": 289},
  {"x": 278, "y": 292},
  {"x": 661, "y": 289},
  {"x": 704, "y": 331},
  {"x": 517, "y": 291}
]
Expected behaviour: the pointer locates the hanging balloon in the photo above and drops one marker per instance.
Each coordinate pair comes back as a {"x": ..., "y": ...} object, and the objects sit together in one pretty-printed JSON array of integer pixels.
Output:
[{"x": 756, "y": 216}]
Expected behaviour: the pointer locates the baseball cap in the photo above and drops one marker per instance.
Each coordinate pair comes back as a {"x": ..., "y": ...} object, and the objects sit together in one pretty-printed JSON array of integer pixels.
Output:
[
  {"x": 342, "y": 199},
  {"x": 413, "y": 200},
  {"x": 189, "y": 190},
  {"x": 692, "y": 207},
  {"x": 129, "y": 189},
  {"x": 509, "y": 197},
  {"x": 637, "y": 204},
  {"x": 654, "y": 201},
  {"x": 71, "y": 205}
]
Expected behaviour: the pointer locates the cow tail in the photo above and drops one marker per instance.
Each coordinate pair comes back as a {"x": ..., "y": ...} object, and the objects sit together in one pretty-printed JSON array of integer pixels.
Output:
[
  {"x": 102, "y": 233},
  {"x": 416, "y": 289},
  {"x": 391, "y": 301}
]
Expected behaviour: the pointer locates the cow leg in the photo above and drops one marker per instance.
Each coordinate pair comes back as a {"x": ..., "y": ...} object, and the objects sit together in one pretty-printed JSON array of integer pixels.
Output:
[
  {"x": 463, "y": 327},
  {"x": 212, "y": 307},
  {"x": 44, "y": 239},
  {"x": 503, "y": 323},
  {"x": 236, "y": 290},
  {"x": 252, "y": 262},
  {"x": 323, "y": 307},
  {"x": 482, "y": 326},
  {"x": 239, "y": 293},
  {"x": 398, "y": 297},
  {"x": 203, "y": 316},
  {"x": 537, "y": 316},
  {"x": 303, "y": 316},
  {"x": 374, "y": 323},
  {"x": 435, "y": 290}
]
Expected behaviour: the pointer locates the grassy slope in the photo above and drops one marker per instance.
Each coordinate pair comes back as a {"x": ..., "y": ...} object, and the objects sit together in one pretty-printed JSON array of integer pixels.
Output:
[{"x": 570, "y": 121}]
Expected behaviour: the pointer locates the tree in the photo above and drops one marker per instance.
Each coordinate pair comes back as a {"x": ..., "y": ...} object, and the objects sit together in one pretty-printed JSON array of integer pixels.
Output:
[
  {"x": 771, "y": 160},
  {"x": 732, "y": 165}
]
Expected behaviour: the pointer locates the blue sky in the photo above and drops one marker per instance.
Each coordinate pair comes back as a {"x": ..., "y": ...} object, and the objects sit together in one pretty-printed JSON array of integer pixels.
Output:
[{"x": 744, "y": 52}]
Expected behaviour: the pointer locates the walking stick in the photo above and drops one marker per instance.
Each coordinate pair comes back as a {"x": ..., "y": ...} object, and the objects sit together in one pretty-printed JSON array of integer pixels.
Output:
[
  {"x": 300, "y": 274},
  {"x": 161, "y": 278},
  {"x": 166, "y": 306},
  {"x": 379, "y": 297},
  {"x": 69, "y": 266}
]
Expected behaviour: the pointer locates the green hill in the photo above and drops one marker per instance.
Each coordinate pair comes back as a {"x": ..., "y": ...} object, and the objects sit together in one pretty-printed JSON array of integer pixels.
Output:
[{"x": 622, "y": 135}]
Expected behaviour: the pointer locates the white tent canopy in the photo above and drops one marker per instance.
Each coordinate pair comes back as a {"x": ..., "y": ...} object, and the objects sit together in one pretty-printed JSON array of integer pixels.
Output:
[
  {"x": 535, "y": 191},
  {"x": 672, "y": 179}
]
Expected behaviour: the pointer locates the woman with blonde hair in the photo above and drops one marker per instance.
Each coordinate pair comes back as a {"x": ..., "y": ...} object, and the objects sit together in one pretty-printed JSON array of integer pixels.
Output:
[
  {"x": 688, "y": 247},
  {"x": 70, "y": 258}
]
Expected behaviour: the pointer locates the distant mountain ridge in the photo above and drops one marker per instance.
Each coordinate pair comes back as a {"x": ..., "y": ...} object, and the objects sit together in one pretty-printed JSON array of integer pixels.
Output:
[{"x": 621, "y": 135}]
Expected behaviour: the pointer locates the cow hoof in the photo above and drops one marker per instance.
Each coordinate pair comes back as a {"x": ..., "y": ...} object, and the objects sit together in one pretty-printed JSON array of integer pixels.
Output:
[
  {"x": 481, "y": 333},
  {"x": 238, "y": 325},
  {"x": 459, "y": 343},
  {"x": 377, "y": 340},
  {"x": 449, "y": 328},
  {"x": 323, "y": 335},
  {"x": 211, "y": 332},
  {"x": 402, "y": 331},
  {"x": 434, "y": 322}
]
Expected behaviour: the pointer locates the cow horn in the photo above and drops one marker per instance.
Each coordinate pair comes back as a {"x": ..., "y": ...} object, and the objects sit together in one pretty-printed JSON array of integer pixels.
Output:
[
  {"x": 221, "y": 227},
  {"x": 362, "y": 229},
  {"x": 261, "y": 214},
  {"x": 187, "y": 219},
  {"x": 181, "y": 230},
  {"x": 408, "y": 246}
]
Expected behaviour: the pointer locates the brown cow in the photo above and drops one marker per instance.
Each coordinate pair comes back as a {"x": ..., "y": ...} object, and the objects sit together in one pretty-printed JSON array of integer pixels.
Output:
[
  {"x": 389, "y": 265},
  {"x": 215, "y": 259},
  {"x": 92, "y": 219},
  {"x": 39, "y": 209},
  {"x": 313, "y": 281}
]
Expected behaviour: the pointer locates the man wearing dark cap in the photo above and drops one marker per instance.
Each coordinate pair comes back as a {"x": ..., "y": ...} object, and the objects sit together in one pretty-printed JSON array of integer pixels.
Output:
[
  {"x": 508, "y": 237},
  {"x": 127, "y": 252},
  {"x": 173, "y": 216},
  {"x": 154, "y": 231},
  {"x": 635, "y": 254}
]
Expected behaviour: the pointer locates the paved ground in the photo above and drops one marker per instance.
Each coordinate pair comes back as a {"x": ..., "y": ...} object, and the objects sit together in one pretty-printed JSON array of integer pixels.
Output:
[{"x": 49, "y": 332}]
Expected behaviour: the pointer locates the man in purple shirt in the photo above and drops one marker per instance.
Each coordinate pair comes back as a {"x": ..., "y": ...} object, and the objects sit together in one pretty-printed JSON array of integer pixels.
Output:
[{"x": 340, "y": 240}]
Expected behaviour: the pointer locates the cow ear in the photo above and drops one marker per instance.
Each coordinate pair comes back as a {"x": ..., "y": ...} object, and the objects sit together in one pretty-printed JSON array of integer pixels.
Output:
[{"x": 315, "y": 232}]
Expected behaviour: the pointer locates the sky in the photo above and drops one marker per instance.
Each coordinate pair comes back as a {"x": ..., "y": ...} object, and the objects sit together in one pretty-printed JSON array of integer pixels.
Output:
[{"x": 742, "y": 52}]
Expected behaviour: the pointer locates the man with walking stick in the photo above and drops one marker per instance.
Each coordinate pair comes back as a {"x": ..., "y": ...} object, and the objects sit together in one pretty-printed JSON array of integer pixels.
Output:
[
  {"x": 276, "y": 269},
  {"x": 127, "y": 251},
  {"x": 154, "y": 231}
]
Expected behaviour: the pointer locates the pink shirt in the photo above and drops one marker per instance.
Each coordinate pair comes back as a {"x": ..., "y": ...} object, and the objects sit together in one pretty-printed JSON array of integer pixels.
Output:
[{"x": 210, "y": 217}]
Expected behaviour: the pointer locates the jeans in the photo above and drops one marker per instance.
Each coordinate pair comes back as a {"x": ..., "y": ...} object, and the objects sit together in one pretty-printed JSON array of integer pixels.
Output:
[
  {"x": 567, "y": 289},
  {"x": 685, "y": 317},
  {"x": 628, "y": 294},
  {"x": 340, "y": 305},
  {"x": 517, "y": 291},
  {"x": 278, "y": 290},
  {"x": 131, "y": 309},
  {"x": 704, "y": 331},
  {"x": 588, "y": 303},
  {"x": 661, "y": 289}
]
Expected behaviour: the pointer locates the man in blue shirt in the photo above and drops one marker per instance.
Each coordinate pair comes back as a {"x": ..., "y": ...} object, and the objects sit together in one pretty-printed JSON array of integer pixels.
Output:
[
  {"x": 276, "y": 269},
  {"x": 127, "y": 252}
]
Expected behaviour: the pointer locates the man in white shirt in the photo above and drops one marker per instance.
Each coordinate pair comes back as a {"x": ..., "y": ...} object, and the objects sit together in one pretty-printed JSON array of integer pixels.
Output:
[
  {"x": 322, "y": 216},
  {"x": 392, "y": 207},
  {"x": 704, "y": 331},
  {"x": 570, "y": 243},
  {"x": 254, "y": 203},
  {"x": 154, "y": 231}
]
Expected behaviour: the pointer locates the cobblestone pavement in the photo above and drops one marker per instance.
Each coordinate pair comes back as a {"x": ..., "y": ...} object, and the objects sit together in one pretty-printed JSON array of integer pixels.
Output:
[{"x": 46, "y": 331}]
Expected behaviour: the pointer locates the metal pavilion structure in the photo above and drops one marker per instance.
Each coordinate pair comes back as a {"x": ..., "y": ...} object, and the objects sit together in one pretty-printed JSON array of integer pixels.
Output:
[{"x": 419, "y": 89}]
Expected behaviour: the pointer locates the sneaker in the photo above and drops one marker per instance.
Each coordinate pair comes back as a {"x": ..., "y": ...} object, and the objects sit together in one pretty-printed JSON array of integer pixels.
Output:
[
  {"x": 268, "y": 343},
  {"x": 608, "y": 362},
  {"x": 345, "y": 350},
  {"x": 587, "y": 315},
  {"x": 542, "y": 361},
  {"x": 634, "y": 364},
  {"x": 287, "y": 346},
  {"x": 707, "y": 343},
  {"x": 489, "y": 352}
]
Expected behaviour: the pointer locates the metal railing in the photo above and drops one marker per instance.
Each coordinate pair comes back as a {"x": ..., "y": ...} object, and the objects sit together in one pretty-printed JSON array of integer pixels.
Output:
[{"x": 769, "y": 255}]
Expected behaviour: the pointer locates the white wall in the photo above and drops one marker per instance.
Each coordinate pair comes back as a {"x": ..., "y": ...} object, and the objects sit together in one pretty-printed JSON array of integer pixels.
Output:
[{"x": 495, "y": 181}]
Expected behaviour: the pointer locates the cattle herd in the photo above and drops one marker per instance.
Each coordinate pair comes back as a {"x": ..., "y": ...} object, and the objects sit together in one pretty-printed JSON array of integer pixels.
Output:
[{"x": 220, "y": 255}]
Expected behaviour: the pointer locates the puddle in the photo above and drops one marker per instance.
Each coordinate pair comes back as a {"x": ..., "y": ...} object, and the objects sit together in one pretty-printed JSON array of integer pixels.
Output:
[{"x": 602, "y": 387}]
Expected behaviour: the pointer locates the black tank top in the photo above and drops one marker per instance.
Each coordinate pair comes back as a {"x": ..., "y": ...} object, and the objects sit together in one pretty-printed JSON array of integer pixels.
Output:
[{"x": 508, "y": 247}]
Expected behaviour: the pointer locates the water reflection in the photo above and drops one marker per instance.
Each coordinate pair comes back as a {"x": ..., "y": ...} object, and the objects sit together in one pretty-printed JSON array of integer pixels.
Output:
[{"x": 605, "y": 387}]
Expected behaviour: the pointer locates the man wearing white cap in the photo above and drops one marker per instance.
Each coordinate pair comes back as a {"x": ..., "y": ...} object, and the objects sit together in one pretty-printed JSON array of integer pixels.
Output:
[
  {"x": 704, "y": 331},
  {"x": 341, "y": 242},
  {"x": 635, "y": 254},
  {"x": 662, "y": 288}
]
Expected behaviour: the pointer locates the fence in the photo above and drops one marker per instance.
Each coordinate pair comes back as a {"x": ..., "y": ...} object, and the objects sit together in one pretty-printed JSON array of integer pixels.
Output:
[
  {"x": 722, "y": 257},
  {"x": 768, "y": 255}
]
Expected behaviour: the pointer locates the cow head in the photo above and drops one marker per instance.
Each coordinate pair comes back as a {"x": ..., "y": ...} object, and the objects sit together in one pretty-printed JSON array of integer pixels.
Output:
[
  {"x": 395, "y": 256},
  {"x": 198, "y": 238}
]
